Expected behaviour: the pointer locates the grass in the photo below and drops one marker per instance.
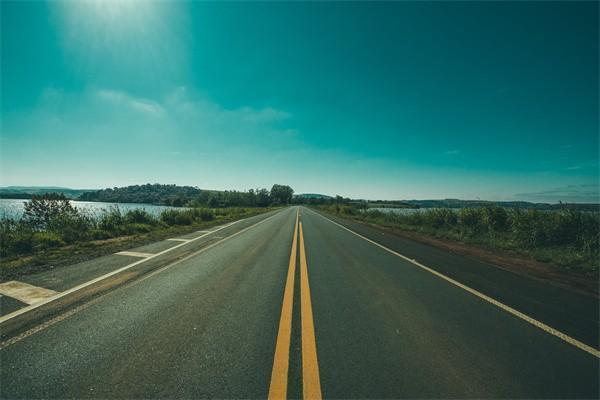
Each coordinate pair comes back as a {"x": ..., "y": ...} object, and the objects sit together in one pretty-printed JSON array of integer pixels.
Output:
[{"x": 568, "y": 239}]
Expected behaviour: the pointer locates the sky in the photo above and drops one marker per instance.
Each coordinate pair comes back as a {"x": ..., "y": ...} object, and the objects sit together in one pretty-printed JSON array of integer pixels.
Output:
[{"x": 393, "y": 100}]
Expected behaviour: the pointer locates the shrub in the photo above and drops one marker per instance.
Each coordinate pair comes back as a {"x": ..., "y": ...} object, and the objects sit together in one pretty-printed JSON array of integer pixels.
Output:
[
  {"x": 472, "y": 219},
  {"x": 112, "y": 221},
  {"x": 139, "y": 216},
  {"x": 348, "y": 210},
  {"x": 205, "y": 214},
  {"x": 495, "y": 218},
  {"x": 71, "y": 227},
  {"x": 46, "y": 240},
  {"x": 16, "y": 237},
  {"x": 176, "y": 217},
  {"x": 42, "y": 211},
  {"x": 440, "y": 217}
]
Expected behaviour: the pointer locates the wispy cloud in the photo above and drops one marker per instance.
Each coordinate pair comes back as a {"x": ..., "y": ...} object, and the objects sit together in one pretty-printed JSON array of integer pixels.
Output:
[
  {"x": 122, "y": 99},
  {"x": 452, "y": 152}
]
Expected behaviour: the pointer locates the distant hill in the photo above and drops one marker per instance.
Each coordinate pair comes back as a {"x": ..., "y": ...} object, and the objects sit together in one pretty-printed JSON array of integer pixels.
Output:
[
  {"x": 25, "y": 192},
  {"x": 148, "y": 193}
]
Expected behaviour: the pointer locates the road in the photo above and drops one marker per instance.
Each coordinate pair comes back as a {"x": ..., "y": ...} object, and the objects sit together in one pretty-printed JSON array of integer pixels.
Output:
[{"x": 294, "y": 305}]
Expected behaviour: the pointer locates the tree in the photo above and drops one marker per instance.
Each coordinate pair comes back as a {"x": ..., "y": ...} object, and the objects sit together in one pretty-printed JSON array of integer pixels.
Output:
[
  {"x": 263, "y": 198},
  {"x": 213, "y": 201},
  {"x": 42, "y": 210},
  {"x": 281, "y": 194}
]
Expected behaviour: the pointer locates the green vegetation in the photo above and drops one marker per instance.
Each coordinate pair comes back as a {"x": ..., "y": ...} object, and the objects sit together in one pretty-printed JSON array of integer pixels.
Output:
[
  {"x": 50, "y": 221},
  {"x": 567, "y": 238},
  {"x": 149, "y": 194},
  {"x": 189, "y": 196}
]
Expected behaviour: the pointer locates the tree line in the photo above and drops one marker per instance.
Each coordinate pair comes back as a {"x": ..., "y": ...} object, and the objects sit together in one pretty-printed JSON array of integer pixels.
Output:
[{"x": 179, "y": 196}]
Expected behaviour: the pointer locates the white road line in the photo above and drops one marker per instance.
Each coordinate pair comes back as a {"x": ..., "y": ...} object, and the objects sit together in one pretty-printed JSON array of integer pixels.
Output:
[
  {"x": 25, "y": 292},
  {"x": 202, "y": 231},
  {"x": 134, "y": 254},
  {"x": 548, "y": 329},
  {"x": 117, "y": 271},
  {"x": 179, "y": 240}
]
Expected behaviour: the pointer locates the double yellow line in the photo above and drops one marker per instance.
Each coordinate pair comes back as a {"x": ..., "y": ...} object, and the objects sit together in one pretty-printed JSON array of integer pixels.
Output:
[{"x": 311, "y": 384}]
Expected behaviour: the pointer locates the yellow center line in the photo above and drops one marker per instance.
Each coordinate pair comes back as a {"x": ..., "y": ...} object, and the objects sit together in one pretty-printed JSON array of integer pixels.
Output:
[
  {"x": 279, "y": 375},
  {"x": 311, "y": 384}
]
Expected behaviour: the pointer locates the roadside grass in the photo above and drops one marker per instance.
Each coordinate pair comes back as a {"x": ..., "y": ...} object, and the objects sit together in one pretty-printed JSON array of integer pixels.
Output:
[
  {"x": 28, "y": 246},
  {"x": 567, "y": 238}
]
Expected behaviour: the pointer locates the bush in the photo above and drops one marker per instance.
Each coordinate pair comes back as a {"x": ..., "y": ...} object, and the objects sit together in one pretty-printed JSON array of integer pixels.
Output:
[
  {"x": 495, "y": 218},
  {"x": 176, "y": 217},
  {"x": 72, "y": 228},
  {"x": 16, "y": 237},
  {"x": 205, "y": 214},
  {"x": 112, "y": 222},
  {"x": 471, "y": 219},
  {"x": 47, "y": 240},
  {"x": 42, "y": 211},
  {"x": 348, "y": 210},
  {"x": 440, "y": 217},
  {"x": 139, "y": 216}
]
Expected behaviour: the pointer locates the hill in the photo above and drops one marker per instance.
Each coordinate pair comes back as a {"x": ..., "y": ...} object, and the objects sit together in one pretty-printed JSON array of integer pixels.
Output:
[
  {"x": 25, "y": 192},
  {"x": 312, "y": 196},
  {"x": 148, "y": 193}
]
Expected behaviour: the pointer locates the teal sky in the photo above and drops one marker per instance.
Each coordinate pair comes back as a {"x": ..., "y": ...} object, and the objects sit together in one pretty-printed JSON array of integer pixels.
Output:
[{"x": 398, "y": 100}]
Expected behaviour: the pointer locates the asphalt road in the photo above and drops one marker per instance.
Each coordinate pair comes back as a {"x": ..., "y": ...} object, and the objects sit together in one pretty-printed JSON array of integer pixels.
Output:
[{"x": 356, "y": 321}]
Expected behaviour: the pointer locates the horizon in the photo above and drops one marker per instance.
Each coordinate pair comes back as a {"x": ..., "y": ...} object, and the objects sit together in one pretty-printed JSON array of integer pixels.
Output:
[
  {"x": 394, "y": 101},
  {"x": 303, "y": 193}
]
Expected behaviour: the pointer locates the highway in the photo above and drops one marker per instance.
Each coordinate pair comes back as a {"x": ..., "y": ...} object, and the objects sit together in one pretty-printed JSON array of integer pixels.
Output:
[{"x": 296, "y": 304}]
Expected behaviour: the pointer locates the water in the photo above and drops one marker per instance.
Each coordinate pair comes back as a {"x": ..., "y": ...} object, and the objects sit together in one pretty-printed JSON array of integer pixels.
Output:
[
  {"x": 13, "y": 208},
  {"x": 401, "y": 211}
]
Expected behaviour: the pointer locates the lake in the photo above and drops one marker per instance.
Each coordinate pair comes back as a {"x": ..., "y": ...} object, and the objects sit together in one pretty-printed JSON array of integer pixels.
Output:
[
  {"x": 402, "y": 211},
  {"x": 13, "y": 208}
]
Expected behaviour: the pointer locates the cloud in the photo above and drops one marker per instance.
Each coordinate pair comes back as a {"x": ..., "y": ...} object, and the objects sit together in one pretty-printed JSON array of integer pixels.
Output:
[
  {"x": 122, "y": 99},
  {"x": 451, "y": 152},
  {"x": 585, "y": 193},
  {"x": 190, "y": 105},
  {"x": 584, "y": 165}
]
